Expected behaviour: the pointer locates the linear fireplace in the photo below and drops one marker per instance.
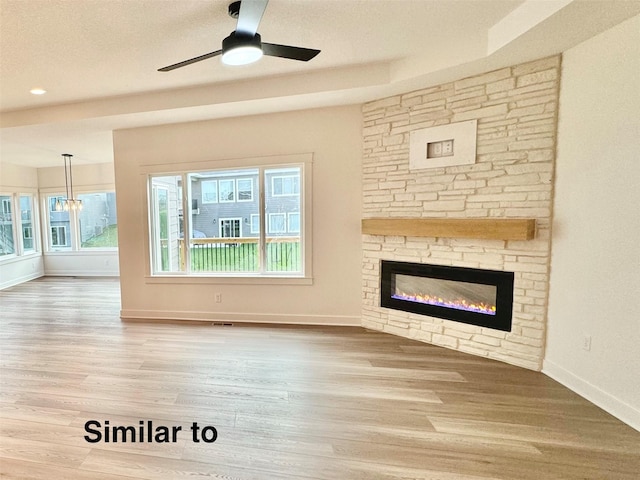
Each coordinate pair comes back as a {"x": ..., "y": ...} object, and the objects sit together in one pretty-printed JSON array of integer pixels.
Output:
[{"x": 468, "y": 295}]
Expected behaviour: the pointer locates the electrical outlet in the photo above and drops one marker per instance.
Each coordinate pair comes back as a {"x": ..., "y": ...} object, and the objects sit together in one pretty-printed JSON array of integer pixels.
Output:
[
  {"x": 586, "y": 342},
  {"x": 218, "y": 298}
]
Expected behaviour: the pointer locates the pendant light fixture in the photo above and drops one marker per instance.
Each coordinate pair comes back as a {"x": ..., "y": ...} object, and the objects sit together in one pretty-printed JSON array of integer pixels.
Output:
[{"x": 69, "y": 203}]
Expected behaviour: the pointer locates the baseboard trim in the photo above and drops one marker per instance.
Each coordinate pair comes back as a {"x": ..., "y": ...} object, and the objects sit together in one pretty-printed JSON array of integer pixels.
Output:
[
  {"x": 81, "y": 273},
  {"x": 272, "y": 318},
  {"x": 610, "y": 404},
  {"x": 17, "y": 281}
]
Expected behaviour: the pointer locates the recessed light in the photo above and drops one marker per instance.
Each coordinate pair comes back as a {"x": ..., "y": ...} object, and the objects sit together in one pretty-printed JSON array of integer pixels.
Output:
[{"x": 38, "y": 91}]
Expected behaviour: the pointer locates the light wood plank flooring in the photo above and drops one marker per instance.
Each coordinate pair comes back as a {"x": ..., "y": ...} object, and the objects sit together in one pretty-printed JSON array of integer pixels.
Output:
[{"x": 288, "y": 403}]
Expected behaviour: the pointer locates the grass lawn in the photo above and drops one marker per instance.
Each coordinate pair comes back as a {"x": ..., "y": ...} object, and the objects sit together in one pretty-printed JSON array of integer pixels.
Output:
[{"x": 108, "y": 238}]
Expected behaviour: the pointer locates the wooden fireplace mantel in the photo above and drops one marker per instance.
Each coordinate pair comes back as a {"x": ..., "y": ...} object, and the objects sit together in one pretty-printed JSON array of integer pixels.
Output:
[{"x": 485, "y": 228}]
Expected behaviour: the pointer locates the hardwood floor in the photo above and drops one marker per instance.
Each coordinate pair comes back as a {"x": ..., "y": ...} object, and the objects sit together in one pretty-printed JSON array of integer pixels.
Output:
[{"x": 288, "y": 403}]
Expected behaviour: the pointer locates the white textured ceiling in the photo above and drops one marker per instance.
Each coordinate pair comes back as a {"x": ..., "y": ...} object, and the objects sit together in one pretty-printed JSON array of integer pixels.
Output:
[{"x": 98, "y": 59}]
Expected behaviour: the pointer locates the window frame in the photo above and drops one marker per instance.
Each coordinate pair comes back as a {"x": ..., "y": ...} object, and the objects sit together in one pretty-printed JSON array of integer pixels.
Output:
[
  {"x": 250, "y": 180},
  {"x": 74, "y": 235},
  {"x": 15, "y": 226},
  {"x": 289, "y": 215},
  {"x": 232, "y": 182},
  {"x": 49, "y": 200},
  {"x": 7, "y": 202},
  {"x": 211, "y": 181},
  {"x": 20, "y": 250},
  {"x": 253, "y": 216},
  {"x": 58, "y": 245},
  {"x": 282, "y": 178},
  {"x": 280, "y": 162},
  {"x": 274, "y": 215}
]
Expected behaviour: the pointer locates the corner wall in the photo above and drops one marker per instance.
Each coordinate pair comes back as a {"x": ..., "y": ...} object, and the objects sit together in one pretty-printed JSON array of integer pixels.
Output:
[
  {"x": 19, "y": 269},
  {"x": 595, "y": 264},
  {"x": 512, "y": 178}
]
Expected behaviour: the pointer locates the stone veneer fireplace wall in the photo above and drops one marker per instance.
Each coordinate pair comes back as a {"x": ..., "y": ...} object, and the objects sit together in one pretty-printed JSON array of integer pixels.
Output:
[{"x": 516, "y": 109}]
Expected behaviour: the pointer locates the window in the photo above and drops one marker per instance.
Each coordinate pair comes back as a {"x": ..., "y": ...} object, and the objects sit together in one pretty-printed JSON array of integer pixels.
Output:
[
  {"x": 54, "y": 200},
  {"x": 7, "y": 240},
  {"x": 26, "y": 221},
  {"x": 59, "y": 236},
  {"x": 277, "y": 223},
  {"x": 228, "y": 237},
  {"x": 285, "y": 185},
  {"x": 18, "y": 233},
  {"x": 97, "y": 220},
  {"x": 209, "y": 191},
  {"x": 59, "y": 225},
  {"x": 293, "y": 224},
  {"x": 245, "y": 189},
  {"x": 255, "y": 223},
  {"x": 227, "y": 191},
  {"x": 167, "y": 224},
  {"x": 94, "y": 226},
  {"x": 6, "y": 206}
]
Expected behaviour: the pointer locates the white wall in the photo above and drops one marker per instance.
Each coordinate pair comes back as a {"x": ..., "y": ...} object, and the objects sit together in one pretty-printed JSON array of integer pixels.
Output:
[
  {"x": 18, "y": 269},
  {"x": 595, "y": 263},
  {"x": 332, "y": 135}
]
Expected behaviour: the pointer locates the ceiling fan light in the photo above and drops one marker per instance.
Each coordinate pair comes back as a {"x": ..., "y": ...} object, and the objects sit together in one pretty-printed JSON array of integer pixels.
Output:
[{"x": 242, "y": 55}]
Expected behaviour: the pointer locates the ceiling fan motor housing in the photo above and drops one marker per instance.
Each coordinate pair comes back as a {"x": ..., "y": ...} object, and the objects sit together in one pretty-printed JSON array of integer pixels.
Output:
[{"x": 238, "y": 39}]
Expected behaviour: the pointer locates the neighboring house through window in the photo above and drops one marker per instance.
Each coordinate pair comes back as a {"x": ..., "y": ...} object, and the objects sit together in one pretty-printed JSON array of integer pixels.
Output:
[
  {"x": 6, "y": 206},
  {"x": 245, "y": 189},
  {"x": 209, "y": 191},
  {"x": 59, "y": 236},
  {"x": 227, "y": 190},
  {"x": 230, "y": 228},
  {"x": 293, "y": 222},
  {"x": 255, "y": 223},
  {"x": 283, "y": 185},
  {"x": 277, "y": 223}
]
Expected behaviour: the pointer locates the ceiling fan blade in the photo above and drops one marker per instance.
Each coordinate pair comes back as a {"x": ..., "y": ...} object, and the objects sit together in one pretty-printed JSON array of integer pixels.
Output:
[
  {"x": 251, "y": 12},
  {"x": 190, "y": 61},
  {"x": 287, "y": 51}
]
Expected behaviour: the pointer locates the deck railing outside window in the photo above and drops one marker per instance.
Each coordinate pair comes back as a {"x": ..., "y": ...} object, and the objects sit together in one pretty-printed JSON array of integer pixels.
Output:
[{"x": 241, "y": 254}]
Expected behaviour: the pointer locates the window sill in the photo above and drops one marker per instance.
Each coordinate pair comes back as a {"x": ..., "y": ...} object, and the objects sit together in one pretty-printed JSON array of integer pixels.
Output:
[
  {"x": 227, "y": 280},
  {"x": 13, "y": 258},
  {"x": 92, "y": 251}
]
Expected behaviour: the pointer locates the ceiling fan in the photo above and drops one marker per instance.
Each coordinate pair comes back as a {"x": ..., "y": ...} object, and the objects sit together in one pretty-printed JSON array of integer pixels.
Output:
[{"x": 244, "y": 45}]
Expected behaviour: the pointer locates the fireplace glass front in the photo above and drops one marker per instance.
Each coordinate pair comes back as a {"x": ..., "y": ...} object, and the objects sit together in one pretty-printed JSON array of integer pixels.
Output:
[{"x": 468, "y": 295}]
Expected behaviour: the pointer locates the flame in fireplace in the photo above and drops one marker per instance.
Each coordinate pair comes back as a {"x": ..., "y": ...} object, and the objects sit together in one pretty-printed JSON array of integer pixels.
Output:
[{"x": 458, "y": 304}]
